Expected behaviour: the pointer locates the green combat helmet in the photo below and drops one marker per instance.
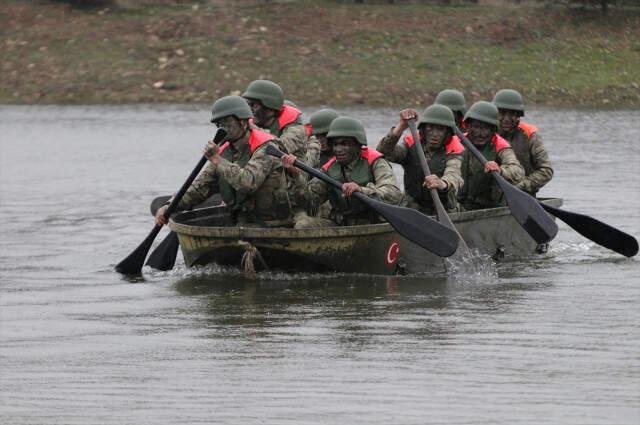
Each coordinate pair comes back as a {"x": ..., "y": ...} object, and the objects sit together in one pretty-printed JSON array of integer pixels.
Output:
[
  {"x": 348, "y": 127},
  {"x": 267, "y": 92},
  {"x": 321, "y": 120},
  {"x": 509, "y": 99},
  {"x": 483, "y": 111},
  {"x": 438, "y": 114},
  {"x": 453, "y": 99},
  {"x": 231, "y": 105}
]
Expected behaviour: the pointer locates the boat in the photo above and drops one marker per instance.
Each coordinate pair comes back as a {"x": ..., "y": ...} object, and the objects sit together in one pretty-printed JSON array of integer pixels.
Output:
[{"x": 207, "y": 235}]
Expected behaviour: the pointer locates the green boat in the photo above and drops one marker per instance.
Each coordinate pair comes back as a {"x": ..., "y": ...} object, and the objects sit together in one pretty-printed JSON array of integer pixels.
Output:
[{"x": 207, "y": 235}]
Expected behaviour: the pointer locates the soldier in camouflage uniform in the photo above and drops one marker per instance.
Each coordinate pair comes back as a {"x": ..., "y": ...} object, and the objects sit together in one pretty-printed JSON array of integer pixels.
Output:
[
  {"x": 252, "y": 184},
  {"x": 454, "y": 100},
  {"x": 525, "y": 140},
  {"x": 480, "y": 189},
  {"x": 272, "y": 115},
  {"x": 359, "y": 169},
  {"x": 442, "y": 150},
  {"x": 319, "y": 151}
]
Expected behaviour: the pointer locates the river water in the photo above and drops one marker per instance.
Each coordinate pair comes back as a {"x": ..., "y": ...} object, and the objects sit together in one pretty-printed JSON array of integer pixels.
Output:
[{"x": 551, "y": 339}]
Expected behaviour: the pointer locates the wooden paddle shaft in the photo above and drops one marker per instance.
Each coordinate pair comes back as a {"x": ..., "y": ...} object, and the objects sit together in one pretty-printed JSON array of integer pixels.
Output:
[
  {"x": 469, "y": 145},
  {"x": 220, "y": 135},
  {"x": 423, "y": 159}
]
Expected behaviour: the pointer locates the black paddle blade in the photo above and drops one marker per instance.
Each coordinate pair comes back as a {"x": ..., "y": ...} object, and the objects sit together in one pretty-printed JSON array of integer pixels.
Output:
[
  {"x": 164, "y": 256},
  {"x": 528, "y": 212},
  {"x": 597, "y": 231},
  {"x": 418, "y": 228},
  {"x": 132, "y": 265}
]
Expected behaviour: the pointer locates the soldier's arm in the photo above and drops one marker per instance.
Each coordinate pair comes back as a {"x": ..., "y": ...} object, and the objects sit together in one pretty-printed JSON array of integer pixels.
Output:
[
  {"x": 316, "y": 193},
  {"x": 510, "y": 167},
  {"x": 312, "y": 158},
  {"x": 543, "y": 171},
  {"x": 391, "y": 149},
  {"x": 250, "y": 177},
  {"x": 384, "y": 188},
  {"x": 453, "y": 172},
  {"x": 203, "y": 186},
  {"x": 293, "y": 140}
]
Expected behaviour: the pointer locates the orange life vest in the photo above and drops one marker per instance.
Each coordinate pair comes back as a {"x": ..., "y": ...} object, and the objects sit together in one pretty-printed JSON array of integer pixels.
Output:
[
  {"x": 256, "y": 139},
  {"x": 287, "y": 115},
  {"x": 528, "y": 129},
  {"x": 369, "y": 154},
  {"x": 451, "y": 145}
]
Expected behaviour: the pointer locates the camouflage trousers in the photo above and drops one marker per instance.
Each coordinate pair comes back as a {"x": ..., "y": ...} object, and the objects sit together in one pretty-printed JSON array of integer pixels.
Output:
[{"x": 303, "y": 221}]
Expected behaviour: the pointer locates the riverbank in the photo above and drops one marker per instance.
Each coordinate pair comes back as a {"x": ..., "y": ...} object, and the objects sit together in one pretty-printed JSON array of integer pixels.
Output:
[{"x": 320, "y": 52}]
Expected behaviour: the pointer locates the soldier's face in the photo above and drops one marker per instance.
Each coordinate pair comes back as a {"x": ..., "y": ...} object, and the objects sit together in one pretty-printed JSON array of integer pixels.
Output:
[
  {"x": 508, "y": 119},
  {"x": 480, "y": 132},
  {"x": 346, "y": 149},
  {"x": 324, "y": 143},
  {"x": 434, "y": 134},
  {"x": 235, "y": 128},
  {"x": 261, "y": 114}
]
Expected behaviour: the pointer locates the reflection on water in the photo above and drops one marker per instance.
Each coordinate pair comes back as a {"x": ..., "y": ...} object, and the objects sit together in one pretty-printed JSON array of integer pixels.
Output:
[
  {"x": 552, "y": 336},
  {"x": 366, "y": 300}
]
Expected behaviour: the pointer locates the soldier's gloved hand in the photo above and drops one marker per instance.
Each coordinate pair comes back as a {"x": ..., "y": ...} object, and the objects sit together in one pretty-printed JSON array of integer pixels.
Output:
[
  {"x": 349, "y": 189},
  {"x": 434, "y": 182},
  {"x": 161, "y": 218},
  {"x": 491, "y": 166},
  {"x": 212, "y": 152}
]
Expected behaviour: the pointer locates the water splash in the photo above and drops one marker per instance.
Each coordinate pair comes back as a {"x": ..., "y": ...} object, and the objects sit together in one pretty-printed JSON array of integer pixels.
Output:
[{"x": 473, "y": 269}]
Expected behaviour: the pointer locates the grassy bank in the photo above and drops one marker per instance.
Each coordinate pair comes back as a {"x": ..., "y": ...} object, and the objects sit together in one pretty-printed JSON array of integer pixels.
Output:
[{"x": 321, "y": 52}]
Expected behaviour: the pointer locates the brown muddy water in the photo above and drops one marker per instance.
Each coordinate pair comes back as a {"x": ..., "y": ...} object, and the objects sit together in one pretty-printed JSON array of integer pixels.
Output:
[{"x": 551, "y": 339}]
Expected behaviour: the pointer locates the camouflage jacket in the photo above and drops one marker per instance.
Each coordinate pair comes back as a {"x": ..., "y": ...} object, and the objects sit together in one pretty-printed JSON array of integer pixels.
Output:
[
  {"x": 480, "y": 189},
  {"x": 398, "y": 152},
  {"x": 312, "y": 158},
  {"x": 258, "y": 188},
  {"x": 529, "y": 149},
  {"x": 292, "y": 138},
  {"x": 382, "y": 185}
]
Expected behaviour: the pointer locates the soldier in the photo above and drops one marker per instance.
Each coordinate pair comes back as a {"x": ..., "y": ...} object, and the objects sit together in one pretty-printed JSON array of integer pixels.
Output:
[
  {"x": 442, "y": 150},
  {"x": 454, "y": 100},
  {"x": 359, "y": 169},
  {"x": 319, "y": 123},
  {"x": 271, "y": 114},
  {"x": 251, "y": 183},
  {"x": 480, "y": 189},
  {"x": 525, "y": 141}
]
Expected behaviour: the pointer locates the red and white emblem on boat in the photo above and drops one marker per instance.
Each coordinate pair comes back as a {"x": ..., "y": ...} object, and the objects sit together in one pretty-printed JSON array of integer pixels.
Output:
[{"x": 392, "y": 253}]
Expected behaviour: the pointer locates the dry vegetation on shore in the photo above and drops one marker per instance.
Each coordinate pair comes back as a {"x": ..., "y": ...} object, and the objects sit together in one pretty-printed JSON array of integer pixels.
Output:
[{"x": 321, "y": 52}]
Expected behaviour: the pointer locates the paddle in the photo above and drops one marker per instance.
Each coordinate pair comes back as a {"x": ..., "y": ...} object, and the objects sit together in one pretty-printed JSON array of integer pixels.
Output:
[
  {"x": 597, "y": 231},
  {"x": 441, "y": 213},
  {"x": 132, "y": 264},
  {"x": 164, "y": 256},
  {"x": 410, "y": 223},
  {"x": 524, "y": 207}
]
